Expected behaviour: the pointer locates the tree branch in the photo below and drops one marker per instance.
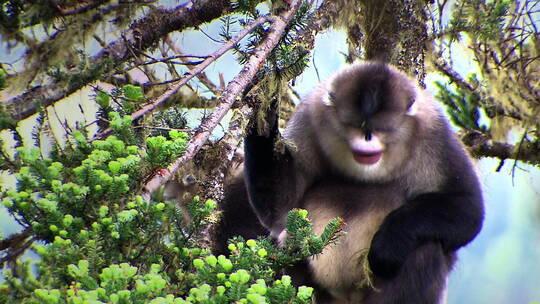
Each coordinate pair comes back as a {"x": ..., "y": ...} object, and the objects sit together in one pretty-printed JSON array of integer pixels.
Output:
[
  {"x": 480, "y": 146},
  {"x": 195, "y": 71},
  {"x": 235, "y": 87},
  {"x": 142, "y": 34},
  {"x": 15, "y": 239},
  {"x": 78, "y": 9},
  {"x": 442, "y": 66},
  {"x": 202, "y": 76},
  {"x": 15, "y": 245}
]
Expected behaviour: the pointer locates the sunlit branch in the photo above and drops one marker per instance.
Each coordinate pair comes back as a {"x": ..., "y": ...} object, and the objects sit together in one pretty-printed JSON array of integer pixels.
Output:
[{"x": 232, "y": 91}]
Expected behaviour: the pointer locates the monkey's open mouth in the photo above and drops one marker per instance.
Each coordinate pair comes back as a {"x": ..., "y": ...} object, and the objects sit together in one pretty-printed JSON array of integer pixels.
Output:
[{"x": 367, "y": 158}]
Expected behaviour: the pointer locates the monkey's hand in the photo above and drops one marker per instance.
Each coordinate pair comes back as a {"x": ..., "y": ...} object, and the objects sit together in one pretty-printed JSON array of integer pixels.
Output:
[
  {"x": 390, "y": 246},
  {"x": 266, "y": 125}
]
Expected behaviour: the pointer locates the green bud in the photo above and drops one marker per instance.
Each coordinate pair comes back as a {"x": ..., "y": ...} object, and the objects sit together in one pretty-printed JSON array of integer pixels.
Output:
[
  {"x": 103, "y": 211},
  {"x": 220, "y": 290},
  {"x": 7, "y": 203},
  {"x": 106, "y": 221},
  {"x": 68, "y": 219},
  {"x": 114, "y": 166},
  {"x": 240, "y": 276},
  {"x": 83, "y": 233},
  {"x": 225, "y": 263},
  {"x": 256, "y": 298},
  {"x": 132, "y": 150},
  {"x": 251, "y": 243},
  {"x": 198, "y": 263},
  {"x": 286, "y": 280},
  {"x": 304, "y": 292},
  {"x": 53, "y": 228},
  {"x": 210, "y": 204},
  {"x": 262, "y": 252},
  {"x": 211, "y": 260}
]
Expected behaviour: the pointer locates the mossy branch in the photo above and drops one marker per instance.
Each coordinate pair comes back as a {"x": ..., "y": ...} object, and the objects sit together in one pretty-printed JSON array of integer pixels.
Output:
[
  {"x": 141, "y": 35},
  {"x": 235, "y": 87}
]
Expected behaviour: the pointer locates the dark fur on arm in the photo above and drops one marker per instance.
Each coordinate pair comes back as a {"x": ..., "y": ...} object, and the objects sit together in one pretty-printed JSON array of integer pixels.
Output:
[
  {"x": 452, "y": 218},
  {"x": 237, "y": 217},
  {"x": 269, "y": 175}
]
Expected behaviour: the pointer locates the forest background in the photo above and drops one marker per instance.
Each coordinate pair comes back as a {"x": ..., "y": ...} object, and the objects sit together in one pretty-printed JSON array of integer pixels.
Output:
[{"x": 204, "y": 70}]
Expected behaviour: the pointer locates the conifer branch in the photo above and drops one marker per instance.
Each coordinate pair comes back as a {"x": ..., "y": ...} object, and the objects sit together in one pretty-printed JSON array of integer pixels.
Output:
[
  {"x": 321, "y": 20},
  {"x": 235, "y": 87},
  {"x": 444, "y": 67}
]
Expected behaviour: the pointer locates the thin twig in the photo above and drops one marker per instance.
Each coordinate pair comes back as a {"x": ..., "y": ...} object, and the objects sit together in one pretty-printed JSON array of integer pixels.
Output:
[
  {"x": 195, "y": 71},
  {"x": 164, "y": 129},
  {"x": 169, "y": 60},
  {"x": 201, "y": 76},
  {"x": 235, "y": 88}
]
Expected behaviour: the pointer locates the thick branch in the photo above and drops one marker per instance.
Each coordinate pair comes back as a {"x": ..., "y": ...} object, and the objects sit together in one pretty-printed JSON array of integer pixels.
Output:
[
  {"x": 81, "y": 8},
  {"x": 480, "y": 146},
  {"x": 235, "y": 88},
  {"x": 391, "y": 31},
  {"x": 14, "y": 240},
  {"x": 142, "y": 34}
]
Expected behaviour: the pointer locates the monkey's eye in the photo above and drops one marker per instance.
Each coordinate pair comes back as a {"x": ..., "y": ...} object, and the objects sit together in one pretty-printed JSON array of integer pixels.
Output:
[
  {"x": 332, "y": 96},
  {"x": 411, "y": 106},
  {"x": 329, "y": 99},
  {"x": 410, "y": 102}
]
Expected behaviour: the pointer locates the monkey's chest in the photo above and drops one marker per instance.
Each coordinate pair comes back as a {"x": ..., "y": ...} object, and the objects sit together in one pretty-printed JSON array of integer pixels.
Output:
[{"x": 342, "y": 268}]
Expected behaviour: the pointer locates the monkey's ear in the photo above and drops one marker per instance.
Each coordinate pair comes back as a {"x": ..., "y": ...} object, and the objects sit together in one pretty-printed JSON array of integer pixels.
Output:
[{"x": 328, "y": 99}]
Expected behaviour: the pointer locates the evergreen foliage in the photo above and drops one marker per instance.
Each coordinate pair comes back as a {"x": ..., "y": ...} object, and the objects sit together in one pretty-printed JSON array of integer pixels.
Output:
[
  {"x": 464, "y": 109},
  {"x": 98, "y": 241}
]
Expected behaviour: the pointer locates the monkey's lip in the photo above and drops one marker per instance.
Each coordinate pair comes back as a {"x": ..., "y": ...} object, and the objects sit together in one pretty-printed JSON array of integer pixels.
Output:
[{"x": 367, "y": 157}]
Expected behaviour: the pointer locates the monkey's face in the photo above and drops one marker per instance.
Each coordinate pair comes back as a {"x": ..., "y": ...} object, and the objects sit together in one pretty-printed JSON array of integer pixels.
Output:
[{"x": 369, "y": 121}]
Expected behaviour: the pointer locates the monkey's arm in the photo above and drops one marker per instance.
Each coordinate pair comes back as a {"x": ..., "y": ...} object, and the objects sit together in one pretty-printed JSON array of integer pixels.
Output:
[
  {"x": 273, "y": 184},
  {"x": 452, "y": 217}
]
